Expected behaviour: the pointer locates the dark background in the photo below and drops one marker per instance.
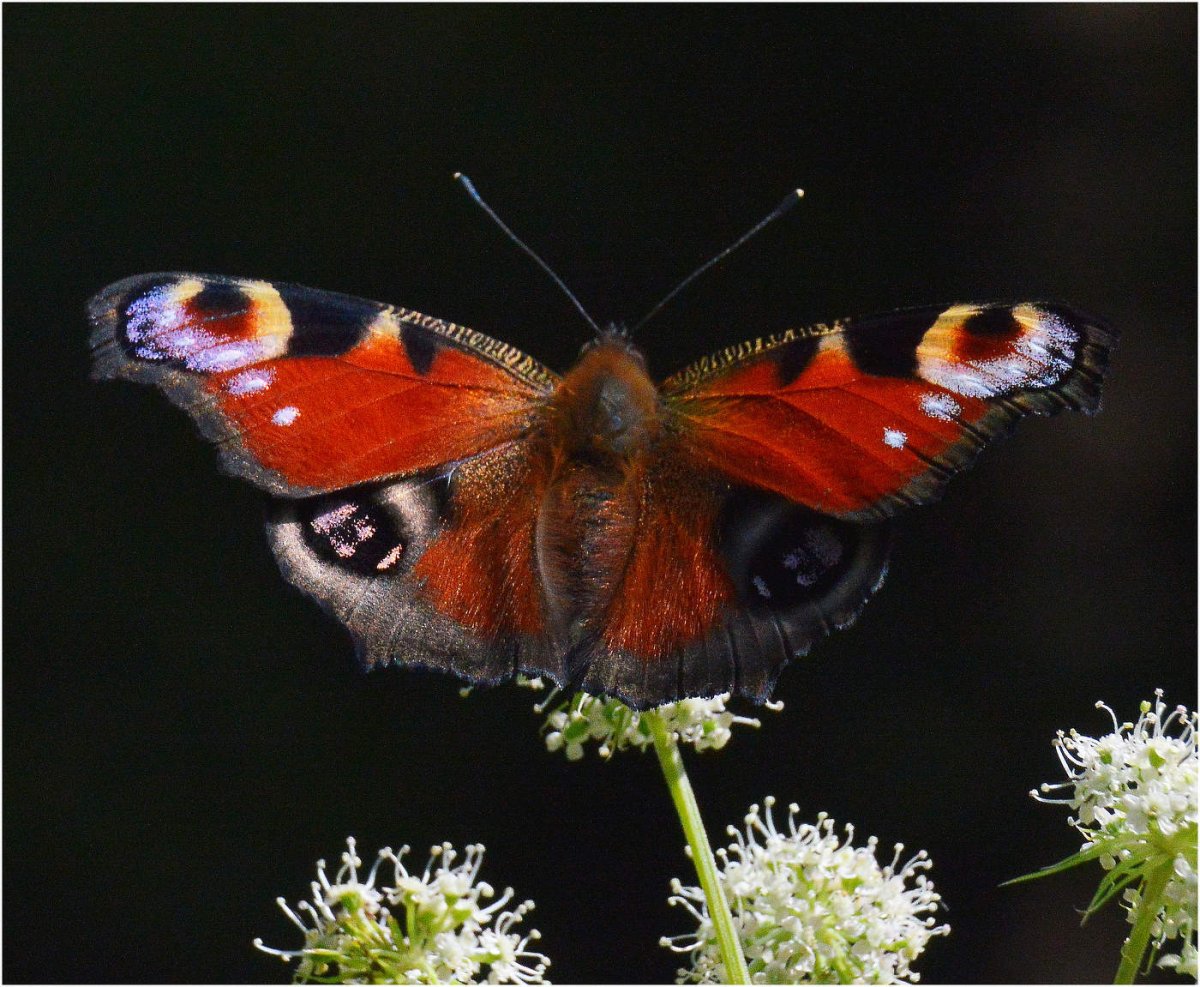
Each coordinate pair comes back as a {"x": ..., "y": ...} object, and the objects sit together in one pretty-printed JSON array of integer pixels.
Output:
[{"x": 185, "y": 734}]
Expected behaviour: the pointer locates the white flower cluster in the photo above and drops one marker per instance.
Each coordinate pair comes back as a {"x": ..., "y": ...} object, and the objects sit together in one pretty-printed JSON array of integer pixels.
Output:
[
  {"x": 1135, "y": 794},
  {"x": 811, "y": 908},
  {"x": 704, "y": 723},
  {"x": 426, "y": 928}
]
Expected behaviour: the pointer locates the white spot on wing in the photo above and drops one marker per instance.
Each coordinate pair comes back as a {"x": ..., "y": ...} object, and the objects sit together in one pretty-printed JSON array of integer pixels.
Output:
[
  {"x": 217, "y": 357},
  {"x": 940, "y": 406},
  {"x": 761, "y": 586},
  {"x": 250, "y": 381},
  {"x": 385, "y": 324},
  {"x": 285, "y": 416},
  {"x": 390, "y": 559},
  {"x": 893, "y": 438}
]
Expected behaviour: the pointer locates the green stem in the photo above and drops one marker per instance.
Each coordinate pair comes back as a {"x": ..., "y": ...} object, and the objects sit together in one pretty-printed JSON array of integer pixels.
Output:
[
  {"x": 1149, "y": 903},
  {"x": 728, "y": 943}
]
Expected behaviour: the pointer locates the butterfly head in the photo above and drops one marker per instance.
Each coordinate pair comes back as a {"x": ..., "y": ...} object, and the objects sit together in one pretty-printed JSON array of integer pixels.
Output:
[{"x": 613, "y": 334}]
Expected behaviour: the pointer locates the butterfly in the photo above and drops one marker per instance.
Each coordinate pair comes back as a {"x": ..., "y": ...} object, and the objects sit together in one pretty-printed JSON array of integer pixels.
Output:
[{"x": 458, "y": 506}]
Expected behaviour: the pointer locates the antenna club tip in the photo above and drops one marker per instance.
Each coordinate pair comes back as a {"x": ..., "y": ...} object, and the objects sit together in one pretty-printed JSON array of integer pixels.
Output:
[
  {"x": 789, "y": 200},
  {"x": 466, "y": 183}
]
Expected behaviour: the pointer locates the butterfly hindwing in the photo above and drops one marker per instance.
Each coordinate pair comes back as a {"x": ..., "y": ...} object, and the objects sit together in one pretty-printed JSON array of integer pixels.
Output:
[
  {"x": 308, "y": 391},
  {"x": 430, "y": 571},
  {"x": 722, "y": 587},
  {"x": 864, "y": 417}
]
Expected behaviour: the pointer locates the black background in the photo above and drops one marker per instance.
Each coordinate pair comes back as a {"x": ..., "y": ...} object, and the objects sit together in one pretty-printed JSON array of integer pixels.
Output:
[{"x": 185, "y": 735}]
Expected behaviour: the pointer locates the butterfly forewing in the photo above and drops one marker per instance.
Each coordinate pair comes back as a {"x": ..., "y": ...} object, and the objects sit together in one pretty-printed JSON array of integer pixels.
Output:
[
  {"x": 309, "y": 391},
  {"x": 864, "y": 417}
]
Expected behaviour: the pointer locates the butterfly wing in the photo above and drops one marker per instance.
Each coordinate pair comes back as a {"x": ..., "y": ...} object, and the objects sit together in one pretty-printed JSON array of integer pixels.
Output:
[
  {"x": 764, "y": 530},
  {"x": 395, "y": 442},
  {"x": 865, "y": 417},
  {"x": 719, "y": 587},
  {"x": 433, "y": 571},
  {"x": 307, "y": 391}
]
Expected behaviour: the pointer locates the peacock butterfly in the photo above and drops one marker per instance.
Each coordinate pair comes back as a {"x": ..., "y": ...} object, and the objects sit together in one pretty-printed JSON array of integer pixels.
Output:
[{"x": 458, "y": 506}]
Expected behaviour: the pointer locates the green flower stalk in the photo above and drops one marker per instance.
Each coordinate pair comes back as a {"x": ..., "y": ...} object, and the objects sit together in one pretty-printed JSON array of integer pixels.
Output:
[
  {"x": 426, "y": 928},
  {"x": 810, "y": 907},
  {"x": 728, "y": 945},
  {"x": 705, "y": 724},
  {"x": 1134, "y": 792}
]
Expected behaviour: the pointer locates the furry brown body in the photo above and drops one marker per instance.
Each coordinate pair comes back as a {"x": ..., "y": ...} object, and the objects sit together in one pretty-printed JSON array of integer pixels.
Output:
[{"x": 607, "y": 433}]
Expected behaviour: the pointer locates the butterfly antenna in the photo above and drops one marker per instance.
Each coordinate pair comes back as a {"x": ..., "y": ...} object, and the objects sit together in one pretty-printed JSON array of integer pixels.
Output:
[
  {"x": 470, "y": 187},
  {"x": 783, "y": 207}
]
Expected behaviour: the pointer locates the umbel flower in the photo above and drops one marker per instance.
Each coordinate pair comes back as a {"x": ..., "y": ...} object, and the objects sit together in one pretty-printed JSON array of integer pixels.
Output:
[
  {"x": 425, "y": 928},
  {"x": 704, "y": 724},
  {"x": 1134, "y": 796},
  {"x": 810, "y": 907}
]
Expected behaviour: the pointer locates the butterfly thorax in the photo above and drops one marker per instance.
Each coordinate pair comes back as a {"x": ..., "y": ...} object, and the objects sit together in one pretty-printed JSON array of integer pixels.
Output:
[{"x": 607, "y": 406}]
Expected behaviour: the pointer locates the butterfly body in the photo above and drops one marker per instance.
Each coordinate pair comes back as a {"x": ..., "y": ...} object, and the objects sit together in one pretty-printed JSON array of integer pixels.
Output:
[{"x": 460, "y": 507}]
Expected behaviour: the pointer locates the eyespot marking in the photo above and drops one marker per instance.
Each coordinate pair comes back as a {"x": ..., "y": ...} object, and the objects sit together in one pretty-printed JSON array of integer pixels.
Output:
[
  {"x": 1039, "y": 352},
  {"x": 818, "y": 551},
  {"x": 357, "y": 535},
  {"x": 157, "y": 321},
  {"x": 344, "y": 529}
]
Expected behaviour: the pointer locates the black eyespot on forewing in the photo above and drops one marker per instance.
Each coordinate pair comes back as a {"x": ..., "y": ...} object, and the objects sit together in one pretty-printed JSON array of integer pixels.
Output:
[
  {"x": 353, "y": 533},
  {"x": 325, "y": 323},
  {"x": 886, "y": 345},
  {"x": 219, "y": 298},
  {"x": 787, "y": 560},
  {"x": 995, "y": 321}
]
